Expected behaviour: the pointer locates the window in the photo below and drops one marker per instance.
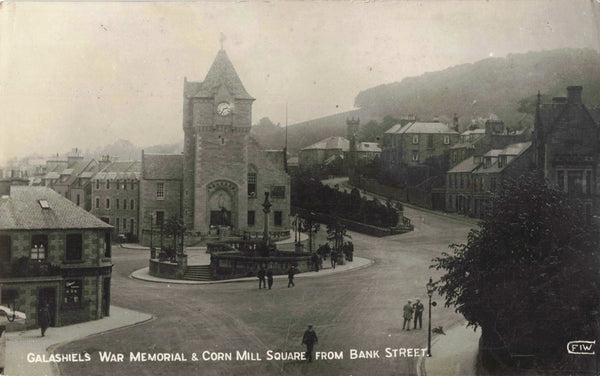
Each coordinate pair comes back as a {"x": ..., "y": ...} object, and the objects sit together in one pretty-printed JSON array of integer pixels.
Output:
[
  {"x": 118, "y": 184},
  {"x": 117, "y": 226},
  {"x": 132, "y": 185},
  {"x": 5, "y": 249},
  {"x": 277, "y": 218},
  {"x": 97, "y": 184},
  {"x": 487, "y": 162},
  {"x": 415, "y": 155},
  {"x": 160, "y": 217},
  {"x": 74, "y": 247},
  {"x": 492, "y": 184},
  {"x": 73, "y": 292},
  {"x": 160, "y": 191},
  {"x": 131, "y": 205},
  {"x": 278, "y": 191},
  {"x": 97, "y": 203},
  {"x": 251, "y": 218},
  {"x": 575, "y": 183},
  {"x": 252, "y": 185},
  {"x": 39, "y": 247},
  {"x": 108, "y": 203},
  {"x": 124, "y": 224},
  {"x": 131, "y": 228},
  {"x": 415, "y": 139},
  {"x": 107, "y": 244},
  {"x": 124, "y": 185},
  {"x": 117, "y": 203},
  {"x": 44, "y": 204},
  {"x": 430, "y": 141},
  {"x": 125, "y": 204},
  {"x": 78, "y": 199},
  {"x": 446, "y": 140},
  {"x": 107, "y": 184}
]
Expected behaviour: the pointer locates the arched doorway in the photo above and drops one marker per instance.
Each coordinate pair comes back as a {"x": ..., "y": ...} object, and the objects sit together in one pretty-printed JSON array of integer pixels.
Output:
[{"x": 222, "y": 204}]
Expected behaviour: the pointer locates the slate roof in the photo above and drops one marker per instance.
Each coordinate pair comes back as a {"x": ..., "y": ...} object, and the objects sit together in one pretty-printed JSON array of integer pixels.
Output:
[
  {"x": 468, "y": 165},
  {"x": 418, "y": 127},
  {"x": 162, "y": 166},
  {"x": 221, "y": 73},
  {"x": 330, "y": 143},
  {"x": 512, "y": 150},
  {"x": 120, "y": 170},
  {"x": 21, "y": 210}
]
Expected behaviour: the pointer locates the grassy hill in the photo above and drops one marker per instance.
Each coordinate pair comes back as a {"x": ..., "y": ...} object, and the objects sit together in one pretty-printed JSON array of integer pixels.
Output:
[{"x": 496, "y": 85}]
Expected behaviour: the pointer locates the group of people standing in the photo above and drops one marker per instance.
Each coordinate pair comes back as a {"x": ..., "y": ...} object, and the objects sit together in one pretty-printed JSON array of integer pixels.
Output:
[
  {"x": 265, "y": 277},
  {"x": 416, "y": 308}
]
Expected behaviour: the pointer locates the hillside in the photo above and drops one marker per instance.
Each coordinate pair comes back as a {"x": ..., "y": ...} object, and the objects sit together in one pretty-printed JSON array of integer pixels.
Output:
[{"x": 494, "y": 85}]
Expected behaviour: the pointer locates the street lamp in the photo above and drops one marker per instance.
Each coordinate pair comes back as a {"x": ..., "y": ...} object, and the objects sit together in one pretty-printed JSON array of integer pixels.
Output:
[{"x": 430, "y": 290}]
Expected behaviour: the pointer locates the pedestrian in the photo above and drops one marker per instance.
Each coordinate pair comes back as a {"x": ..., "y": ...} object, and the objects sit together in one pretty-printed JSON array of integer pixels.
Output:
[
  {"x": 261, "y": 278},
  {"x": 316, "y": 260},
  {"x": 270, "y": 277},
  {"x": 408, "y": 311},
  {"x": 44, "y": 318},
  {"x": 291, "y": 272},
  {"x": 309, "y": 339},
  {"x": 333, "y": 259},
  {"x": 418, "y": 308}
]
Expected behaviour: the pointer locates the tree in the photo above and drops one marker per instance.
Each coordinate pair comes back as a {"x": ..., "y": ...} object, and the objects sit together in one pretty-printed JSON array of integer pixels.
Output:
[
  {"x": 336, "y": 234},
  {"x": 528, "y": 276}
]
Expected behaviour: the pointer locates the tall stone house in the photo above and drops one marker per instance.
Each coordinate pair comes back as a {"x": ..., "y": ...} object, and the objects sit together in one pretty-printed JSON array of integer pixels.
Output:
[
  {"x": 567, "y": 148},
  {"x": 115, "y": 196},
  {"x": 224, "y": 174},
  {"x": 53, "y": 252}
]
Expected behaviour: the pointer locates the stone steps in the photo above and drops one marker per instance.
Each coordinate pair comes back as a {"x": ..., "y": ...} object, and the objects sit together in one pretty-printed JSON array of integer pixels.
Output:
[{"x": 198, "y": 273}]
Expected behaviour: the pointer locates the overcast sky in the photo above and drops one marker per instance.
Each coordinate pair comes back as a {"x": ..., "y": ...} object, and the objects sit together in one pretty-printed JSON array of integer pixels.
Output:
[{"x": 87, "y": 74}]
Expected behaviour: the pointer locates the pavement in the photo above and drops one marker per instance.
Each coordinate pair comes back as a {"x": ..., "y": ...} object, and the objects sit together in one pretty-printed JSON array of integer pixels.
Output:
[
  {"x": 23, "y": 345},
  {"x": 453, "y": 354},
  {"x": 27, "y": 352}
]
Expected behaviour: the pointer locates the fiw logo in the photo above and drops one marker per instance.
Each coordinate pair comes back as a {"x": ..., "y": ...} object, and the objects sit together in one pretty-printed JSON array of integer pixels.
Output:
[{"x": 581, "y": 347}]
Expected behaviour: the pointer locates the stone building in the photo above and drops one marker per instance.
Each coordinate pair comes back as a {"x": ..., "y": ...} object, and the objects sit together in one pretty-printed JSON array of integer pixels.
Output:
[
  {"x": 220, "y": 183},
  {"x": 415, "y": 142},
  {"x": 471, "y": 183},
  {"x": 567, "y": 148},
  {"x": 115, "y": 196},
  {"x": 323, "y": 152},
  {"x": 476, "y": 142},
  {"x": 54, "y": 252}
]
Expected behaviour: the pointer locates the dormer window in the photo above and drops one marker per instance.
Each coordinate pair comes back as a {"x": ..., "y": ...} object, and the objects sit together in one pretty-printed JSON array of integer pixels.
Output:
[
  {"x": 44, "y": 204},
  {"x": 487, "y": 162}
]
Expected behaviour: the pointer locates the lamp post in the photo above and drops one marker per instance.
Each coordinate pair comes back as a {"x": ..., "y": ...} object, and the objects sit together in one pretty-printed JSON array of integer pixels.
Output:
[
  {"x": 430, "y": 290},
  {"x": 266, "y": 209}
]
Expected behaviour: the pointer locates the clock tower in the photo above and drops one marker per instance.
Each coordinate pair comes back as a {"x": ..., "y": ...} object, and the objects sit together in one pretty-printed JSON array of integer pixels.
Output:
[{"x": 217, "y": 116}]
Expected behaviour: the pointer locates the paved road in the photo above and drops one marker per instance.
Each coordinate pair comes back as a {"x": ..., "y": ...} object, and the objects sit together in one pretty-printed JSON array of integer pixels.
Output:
[{"x": 354, "y": 310}]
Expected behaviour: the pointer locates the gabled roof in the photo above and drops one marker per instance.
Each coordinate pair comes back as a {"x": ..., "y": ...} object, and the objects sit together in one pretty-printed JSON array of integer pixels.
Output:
[
  {"x": 512, "y": 151},
  {"x": 418, "y": 127},
  {"x": 22, "y": 210},
  {"x": 330, "y": 143},
  {"x": 162, "y": 166},
  {"x": 468, "y": 165},
  {"x": 222, "y": 73}
]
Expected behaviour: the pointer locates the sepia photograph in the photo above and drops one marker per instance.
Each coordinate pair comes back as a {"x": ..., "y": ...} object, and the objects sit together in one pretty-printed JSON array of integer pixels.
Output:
[{"x": 296, "y": 187}]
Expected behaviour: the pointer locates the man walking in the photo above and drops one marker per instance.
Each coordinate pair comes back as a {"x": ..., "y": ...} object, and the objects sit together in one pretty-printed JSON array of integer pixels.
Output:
[
  {"x": 270, "y": 277},
  {"x": 291, "y": 272},
  {"x": 418, "y": 308},
  {"x": 44, "y": 319},
  {"x": 316, "y": 260},
  {"x": 408, "y": 311},
  {"x": 261, "y": 278},
  {"x": 309, "y": 339}
]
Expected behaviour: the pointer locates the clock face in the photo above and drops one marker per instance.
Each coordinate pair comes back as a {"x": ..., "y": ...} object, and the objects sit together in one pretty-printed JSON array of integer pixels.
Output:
[{"x": 223, "y": 109}]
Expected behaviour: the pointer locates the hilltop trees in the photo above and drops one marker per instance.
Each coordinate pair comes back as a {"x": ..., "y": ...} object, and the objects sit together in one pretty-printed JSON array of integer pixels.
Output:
[{"x": 529, "y": 276}]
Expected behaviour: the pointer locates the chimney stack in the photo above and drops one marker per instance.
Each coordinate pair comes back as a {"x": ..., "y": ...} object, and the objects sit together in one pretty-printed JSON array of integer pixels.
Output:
[{"x": 574, "y": 94}]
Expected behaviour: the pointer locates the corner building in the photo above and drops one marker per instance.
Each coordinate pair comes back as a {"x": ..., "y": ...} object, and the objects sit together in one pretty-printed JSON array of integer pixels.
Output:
[{"x": 225, "y": 173}]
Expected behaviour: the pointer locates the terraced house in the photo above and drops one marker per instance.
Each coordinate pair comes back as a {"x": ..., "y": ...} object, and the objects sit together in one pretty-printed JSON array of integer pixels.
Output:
[{"x": 53, "y": 252}]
